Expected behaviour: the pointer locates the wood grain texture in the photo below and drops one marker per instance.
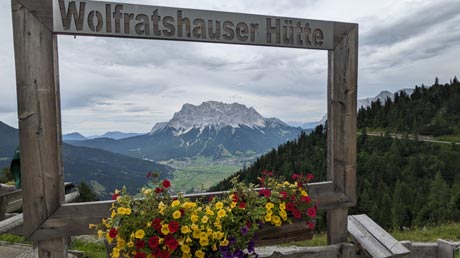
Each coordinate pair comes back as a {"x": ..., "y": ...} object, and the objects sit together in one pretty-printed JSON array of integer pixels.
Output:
[
  {"x": 341, "y": 125},
  {"x": 380, "y": 234},
  {"x": 11, "y": 223},
  {"x": 38, "y": 124},
  {"x": 41, "y": 9}
]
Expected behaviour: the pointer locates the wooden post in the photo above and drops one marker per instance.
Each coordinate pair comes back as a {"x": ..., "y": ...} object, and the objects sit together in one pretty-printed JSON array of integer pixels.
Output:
[
  {"x": 341, "y": 125},
  {"x": 35, "y": 49}
]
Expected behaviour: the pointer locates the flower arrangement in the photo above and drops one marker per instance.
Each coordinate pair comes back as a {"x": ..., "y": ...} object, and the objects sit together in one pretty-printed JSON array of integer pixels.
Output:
[{"x": 156, "y": 224}]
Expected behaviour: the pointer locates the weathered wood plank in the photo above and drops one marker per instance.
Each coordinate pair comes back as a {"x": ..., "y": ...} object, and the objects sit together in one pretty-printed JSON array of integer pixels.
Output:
[
  {"x": 11, "y": 223},
  {"x": 42, "y": 10},
  {"x": 380, "y": 234},
  {"x": 446, "y": 249},
  {"x": 35, "y": 49},
  {"x": 368, "y": 242},
  {"x": 271, "y": 235},
  {"x": 341, "y": 126},
  {"x": 38, "y": 126}
]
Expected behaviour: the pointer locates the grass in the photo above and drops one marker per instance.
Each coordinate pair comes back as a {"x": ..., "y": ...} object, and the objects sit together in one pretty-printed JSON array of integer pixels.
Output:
[
  {"x": 201, "y": 176},
  {"x": 430, "y": 234},
  {"x": 91, "y": 250}
]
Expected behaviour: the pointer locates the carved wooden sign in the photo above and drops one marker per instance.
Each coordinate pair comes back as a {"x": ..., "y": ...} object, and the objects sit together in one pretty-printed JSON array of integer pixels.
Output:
[{"x": 155, "y": 22}]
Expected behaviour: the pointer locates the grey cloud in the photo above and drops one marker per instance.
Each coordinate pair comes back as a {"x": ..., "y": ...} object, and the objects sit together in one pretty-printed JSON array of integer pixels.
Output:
[{"x": 420, "y": 21}]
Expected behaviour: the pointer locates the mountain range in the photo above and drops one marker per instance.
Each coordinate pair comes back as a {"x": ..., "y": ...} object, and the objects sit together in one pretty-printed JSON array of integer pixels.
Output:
[
  {"x": 116, "y": 135},
  {"x": 104, "y": 171},
  {"x": 212, "y": 129},
  {"x": 366, "y": 102}
]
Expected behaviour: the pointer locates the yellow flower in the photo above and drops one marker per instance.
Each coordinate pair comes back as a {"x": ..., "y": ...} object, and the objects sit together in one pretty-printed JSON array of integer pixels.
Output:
[
  {"x": 199, "y": 254},
  {"x": 185, "y": 249},
  {"x": 269, "y": 205},
  {"x": 92, "y": 226},
  {"x": 120, "y": 243},
  {"x": 188, "y": 240},
  {"x": 204, "y": 241},
  {"x": 115, "y": 252},
  {"x": 130, "y": 244},
  {"x": 209, "y": 211},
  {"x": 269, "y": 212},
  {"x": 214, "y": 247},
  {"x": 276, "y": 220},
  {"x": 175, "y": 203},
  {"x": 194, "y": 227},
  {"x": 127, "y": 211},
  {"x": 268, "y": 217},
  {"x": 196, "y": 234},
  {"x": 283, "y": 206},
  {"x": 165, "y": 229},
  {"x": 100, "y": 233},
  {"x": 204, "y": 219},
  {"x": 177, "y": 215},
  {"x": 139, "y": 234},
  {"x": 304, "y": 193},
  {"x": 219, "y": 205},
  {"x": 194, "y": 218},
  {"x": 283, "y": 215},
  {"x": 224, "y": 242},
  {"x": 185, "y": 229},
  {"x": 218, "y": 235},
  {"x": 221, "y": 213},
  {"x": 107, "y": 236},
  {"x": 147, "y": 191},
  {"x": 232, "y": 205}
]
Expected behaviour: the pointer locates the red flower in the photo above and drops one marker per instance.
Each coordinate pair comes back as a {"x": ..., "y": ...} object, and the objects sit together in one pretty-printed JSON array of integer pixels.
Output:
[
  {"x": 235, "y": 197},
  {"x": 156, "y": 224},
  {"x": 311, "y": 225},
  {"x": 166, "y": 183},
  {"x": 306, "y": 199},
  {"x": 310, "y": 176},
  {"x": 295, "y": 176},
  {"x": 113, "y": 233},
  {"x": 140, "y": 255},
  {"x": 242, "y": 205},
  {"x": 296, "y": 213},
  {"x": 292, "y": 198},
  {"x": 164, "y": 254},
  {"x": 154, "y": 241},
  {"x": 139, "y": 244},
  {"x": 156, "y": 252},
  {"x": 171, "y": 242},
  {"x": 182, "y": 212},
  {"x": 311, "y": 212},
  {"x": 290, "y": 206},
  {"x": 159, "y": 190},
  {"x": 115, "y": 196},
  {"x": 265, "y": 192},
  {"x": 262, "y": 180},
  {"x": 283, "y": 194},
  {"x": 173, "y": 226}
]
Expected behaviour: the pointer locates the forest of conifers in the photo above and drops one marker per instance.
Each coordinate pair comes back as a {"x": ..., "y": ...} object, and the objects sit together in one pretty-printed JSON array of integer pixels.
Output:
[{"x": 401, "y": 183}]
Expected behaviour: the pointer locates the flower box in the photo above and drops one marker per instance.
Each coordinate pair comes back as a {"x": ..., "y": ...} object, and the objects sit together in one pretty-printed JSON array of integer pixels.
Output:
[
  {"x": 156, "y": 224},
  {"x": 272, "y": 235}
]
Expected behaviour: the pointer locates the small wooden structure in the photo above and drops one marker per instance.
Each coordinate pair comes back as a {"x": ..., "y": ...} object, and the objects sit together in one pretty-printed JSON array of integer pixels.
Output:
[{"x": 36, "y": 25}]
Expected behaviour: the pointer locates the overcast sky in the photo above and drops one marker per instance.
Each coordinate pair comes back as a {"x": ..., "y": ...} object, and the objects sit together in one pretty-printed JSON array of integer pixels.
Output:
[{"x": 128, "y": 85}]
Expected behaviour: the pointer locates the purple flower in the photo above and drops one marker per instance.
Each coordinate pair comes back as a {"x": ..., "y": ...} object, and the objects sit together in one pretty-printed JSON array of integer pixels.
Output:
[
  {"x": 231, "y": 240},
  {"x": 238, "y": 253},
  {"x": 244, "y": 230},
  {"x": 251, "y": 246}
]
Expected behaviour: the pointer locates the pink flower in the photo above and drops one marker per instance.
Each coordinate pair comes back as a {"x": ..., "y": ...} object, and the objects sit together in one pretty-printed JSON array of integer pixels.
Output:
[
  {"x": 306, "y": 199},
  {"x": 310, "y": 176},
  {"x": 283, "y": 194},
  {"x": 311, "y": 212},
  {"x": 295, "y": 176},
  {"x": 296, "y": 213},
  {"x": 311, "y": 225}
]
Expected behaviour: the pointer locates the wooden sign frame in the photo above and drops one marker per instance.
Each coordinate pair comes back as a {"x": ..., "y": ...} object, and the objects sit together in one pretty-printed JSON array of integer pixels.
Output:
[{"x": 49, "y": 221}]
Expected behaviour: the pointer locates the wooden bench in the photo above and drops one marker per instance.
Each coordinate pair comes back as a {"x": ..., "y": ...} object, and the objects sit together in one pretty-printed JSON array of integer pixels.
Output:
[{"x": 373, "y": 239}]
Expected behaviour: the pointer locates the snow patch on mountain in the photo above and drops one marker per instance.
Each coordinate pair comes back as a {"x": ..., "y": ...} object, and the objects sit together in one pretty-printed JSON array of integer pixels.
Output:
[{"x": 216, "y": 115}]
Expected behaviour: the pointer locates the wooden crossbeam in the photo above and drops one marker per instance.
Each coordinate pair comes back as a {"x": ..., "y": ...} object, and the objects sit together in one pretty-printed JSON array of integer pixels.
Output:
[{"x": 374, "y": 239}]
